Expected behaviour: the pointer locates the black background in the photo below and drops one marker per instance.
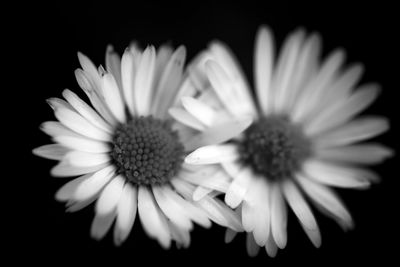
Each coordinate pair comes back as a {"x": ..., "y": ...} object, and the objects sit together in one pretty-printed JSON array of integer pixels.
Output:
[{"x": 51, "y": 34}]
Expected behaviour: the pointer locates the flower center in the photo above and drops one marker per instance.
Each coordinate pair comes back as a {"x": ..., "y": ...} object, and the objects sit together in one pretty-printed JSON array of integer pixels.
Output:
[
  {"x": 147, "y": 151},
  {"x": 274, "y": 148}
]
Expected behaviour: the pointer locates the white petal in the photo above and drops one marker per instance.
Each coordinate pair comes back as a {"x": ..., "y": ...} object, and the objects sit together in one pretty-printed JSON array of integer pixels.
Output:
[
  {"x": 201, "y": 192},
  {"x": 326, "y": 199},
  {"x": 220, "y": 213},
  {"x": 227, "y": 90},
  {"x": 52, "y": 151},
  {"x": 84, "y": 159},
  {"x": 112, "y": 97},
  {"x": 299, "y": 205},
  {"x": 94, "y": 184},
  {"x": 314, "y": 91},
  {"x": 262, "y": 215},
  {"x": 164, "y": 53},
  {"x": 88, "y": 66},
  {"x": 151, "y": 219},
  {"x": 171, "y": 208},
  {"x": 113, "y": 64},
  {"x": 213, "y": 154},
  {"x": 64, "y": 169},
  {"x": 169, "y": 83},
  {"x": 110, "y": 196},
  {"x": 126, "y": 213},
  {"x": 54, "y": 128},
  {"x": 278, "y": 217},
  {"x": 305, "y": 69},
  {"x": 229, "y": 235},
  {"x": 86, "y": 111},
  {"x": 337, "y": 175},
  {"x": 238, "y": 188},
  {"x": 343, "y": 111},
  {"x": 314, "y": 235},
  {"x": 67, "y": 191},
  {"x": 201, "y": 111},
  {"x": 354, "y": 131},
  {"x": 285, "y": 70},
  {"x": 186, "y": 118},
  {"x": 251, "y": 245},
  {"x": 218, "y": 181},
  {"x": 101, "y": 224},
  {"x": 271, "y": 247},
  {"x": 263, "y": 67},
  {"x": 77, "y": 123},
  {"x": 82, "y": 144},
  {"x": 218, "y": 134},
  {"x": 74, "y": 206},
  {"x": 128, "y": 74},
  {"x": 227, "y": 60},
  {"x": 95, "y": 96},
  {"x": 56, "y": 103},
  {"x": 180, "y": 235},
  {"x": 143, "y": 91},
  {"x": 358, "y": 154}
]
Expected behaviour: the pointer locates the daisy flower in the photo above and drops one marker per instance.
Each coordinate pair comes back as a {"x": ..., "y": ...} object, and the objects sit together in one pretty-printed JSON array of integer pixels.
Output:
[
  {"x": 304, "y": 138},
  {"x": 126, "y": 150}
]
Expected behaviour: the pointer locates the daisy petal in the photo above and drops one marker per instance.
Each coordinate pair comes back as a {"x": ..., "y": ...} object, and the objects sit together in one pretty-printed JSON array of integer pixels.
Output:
[
  {"x": 201, "y": 111},
  {"x": 299, "y": 205},
  {"x": 82, "y": 144},
  {"x": 110, "y": 196},
  {"x": 285, "y": 70},
  {"x": 128, "y": 73},
  {"x": 77, "y": 123},
  {"x": 354, "y": 131},
  {"x": 55, "y": 128},
  {"x": 229, "y": 235},
  {"x": 251, "y": 245},
  {"x": 151, "y": 218},
  {"x": 144, "y": 79},
  {"x": 271, "y": 247},
  {"x": 218, "y": 134},
  {"x": 85, "y": 159},
  {"x": 126, "y": 214},
  {"x": 213, "y": 154},
  {"x": 112, "y": 97},
  {"x": 171, "y": 208},
  {"x": 86, "y": 111},
  {"x": 101, "y": 224},
  {"x": 262, "y": 215},
  {"x": 263, "y": 67},
  {"x": 169, "y": 83},
  {"x": 314, "y": 235},
  {"x": 327, "y": 200},
  {"x": 64, "y": 169},
  {"x": 201, "y": 192},
  {"x": 278, "y": 217},
  {"x": 238, "y": 188},
  {"x": 52, "y": 151},
  {"x": 92, "y": 186},
  {"x": 337, "y": 175},
  {"x": 67, "y": 191},
  {"x": 357, "y": 154},
  {"x": 180, "y": 235},
  {"x": 74, "y": 206},
  {"x": 113, "y": 64},
  {"x": 343, "y": 111},
  {"x": 186, "y": 118}
]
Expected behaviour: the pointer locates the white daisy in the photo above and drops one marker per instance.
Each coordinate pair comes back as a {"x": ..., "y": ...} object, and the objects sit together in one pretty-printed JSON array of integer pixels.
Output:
[
  {"x": 127, "y": 151},
  {"x": 303, "y": 139}
]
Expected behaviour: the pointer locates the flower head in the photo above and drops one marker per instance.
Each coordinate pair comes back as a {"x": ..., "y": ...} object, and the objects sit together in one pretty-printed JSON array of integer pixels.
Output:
[
  {"x": 127, "y": 151},
  {"x": 304, "y": 137}
]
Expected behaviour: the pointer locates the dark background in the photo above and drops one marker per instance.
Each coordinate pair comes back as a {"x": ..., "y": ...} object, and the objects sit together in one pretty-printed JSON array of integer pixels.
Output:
[{"x": 51, "y": 34}]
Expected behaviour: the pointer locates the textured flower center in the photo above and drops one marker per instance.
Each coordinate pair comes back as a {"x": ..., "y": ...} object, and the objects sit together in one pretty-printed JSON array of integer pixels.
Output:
[
  {"x": 274, "y": 148},
  {"x": 147, "y": 151}
]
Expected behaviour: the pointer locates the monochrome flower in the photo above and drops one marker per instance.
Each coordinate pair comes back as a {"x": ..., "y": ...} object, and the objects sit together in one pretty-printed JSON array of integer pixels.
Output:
[
  {"x": 304, "y": 137},
  {"x": 126, "y": 150}
]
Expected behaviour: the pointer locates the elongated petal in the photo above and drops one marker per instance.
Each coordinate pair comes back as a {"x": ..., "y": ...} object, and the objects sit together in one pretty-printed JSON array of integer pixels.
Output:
[
  {"x": 201, "y": 111},
  {"x": 278, "y": 217},
  {"x": 67, "y": 191},
  {"x": 82, "y": 144},
  {"x": 238, "y": 188},
  {"x": 85, "y": 159},
  {"x": 212, "y": 154},
  {"x": 110, "y": 196},
  {"x": 101, "y": 224},
  {"x": 65, "y": 169},
  {"x": 113, "y": 97},
  {"x": 263, "y": 67},
  {"x": 126, "y": 213},
  {"x": 52, "y": 151},
  {"x": 186, "y": 118}
]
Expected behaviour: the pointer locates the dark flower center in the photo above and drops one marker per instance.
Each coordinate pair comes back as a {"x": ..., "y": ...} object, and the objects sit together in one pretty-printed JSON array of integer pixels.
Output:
[
  {"x": 147, "y": 151},
  {"x": 274, "y": 148}
]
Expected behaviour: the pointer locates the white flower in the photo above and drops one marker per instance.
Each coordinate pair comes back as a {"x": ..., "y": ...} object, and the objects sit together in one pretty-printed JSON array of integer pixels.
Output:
[
  {"x": 127, "y": 151},
  {"x": 303, "y": 138}
]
